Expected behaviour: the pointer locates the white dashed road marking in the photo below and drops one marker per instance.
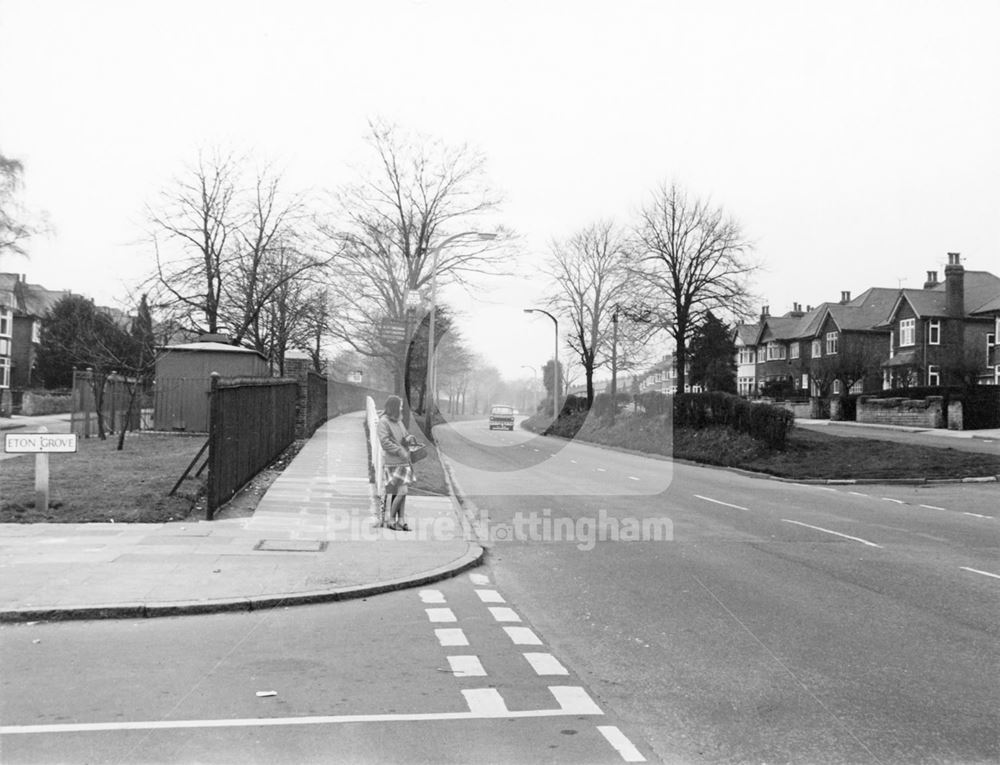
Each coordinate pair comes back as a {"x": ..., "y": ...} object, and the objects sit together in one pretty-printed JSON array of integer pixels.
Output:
[
  {"x": 719, "y": 502},
  {"x": 478, "y": 579},
  {"x": 485, "y": 702},
  {"x": 572, "y": 698},
  {"x": 490, "y": 596},
  {"x": 977, "y": 571},
  {"x": 451, "y": 637},
  {"x": 466, "y": 666},
  {"x": 835, "y": 533},
  {"x": 545, "y": 664},
  {"x": 932, "y": 507},
  {"x": 620, "y": 742},
  {"x": 897, "y": 501},
  {"x": 432, "y": 596},
  {"x": 522, "y": 636},
  {"x": 504, "y": 614},
  {"x": 441, "y": 615},
  {"x": 977, "y": 515}
]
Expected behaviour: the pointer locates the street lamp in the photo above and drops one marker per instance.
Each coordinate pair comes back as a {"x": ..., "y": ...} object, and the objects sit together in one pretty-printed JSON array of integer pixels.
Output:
[
  {"x": 555, "y": 368},
  {"x": 431, "y": 370}
]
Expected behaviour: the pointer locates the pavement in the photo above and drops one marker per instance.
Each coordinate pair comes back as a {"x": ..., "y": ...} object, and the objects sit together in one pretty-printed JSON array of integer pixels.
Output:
[{"x": 311, "y": 539}]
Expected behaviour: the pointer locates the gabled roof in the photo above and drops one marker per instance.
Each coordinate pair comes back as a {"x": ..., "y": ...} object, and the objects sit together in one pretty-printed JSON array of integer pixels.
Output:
[
  {"x": 868, "y": 310},
  {"x": 980, "y": 288},
  {"x": 747, "y": 333},
  {"x": 27, "y": 299}
]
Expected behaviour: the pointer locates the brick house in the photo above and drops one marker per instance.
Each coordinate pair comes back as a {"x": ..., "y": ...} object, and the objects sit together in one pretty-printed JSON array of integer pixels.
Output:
[
  {"x": 22, "y": 308},
  {"x": 991, "y": 373},
  {"x": 745, "y": 338},
  {"x": 945, "y": 332}
]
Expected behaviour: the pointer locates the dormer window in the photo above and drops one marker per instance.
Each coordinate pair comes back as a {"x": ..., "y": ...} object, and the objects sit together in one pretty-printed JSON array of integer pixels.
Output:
[{"x": 832, "y": 343}]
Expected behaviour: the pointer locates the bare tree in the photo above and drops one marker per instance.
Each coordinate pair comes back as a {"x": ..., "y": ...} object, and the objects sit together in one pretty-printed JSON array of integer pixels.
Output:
[
  {"x": 589, "y": 270},
  {"x": 383, "y": 231},
  {"x": 696, "y": 259},
  {"x": 227, "y": 245},
  {"x": 15, "y": 227}
]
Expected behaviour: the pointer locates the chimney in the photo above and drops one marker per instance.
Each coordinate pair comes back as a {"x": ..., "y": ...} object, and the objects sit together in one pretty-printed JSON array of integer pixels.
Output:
[
  {"x": 845, "y": 297},
  {"x": 932, "y": 280},
  {"x": 765, "y": 311},
  {"x": 954, "y": 286}
]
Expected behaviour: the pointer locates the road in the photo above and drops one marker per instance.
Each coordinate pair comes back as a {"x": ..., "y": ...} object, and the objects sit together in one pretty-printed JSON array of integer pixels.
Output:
[
  {"x": 630, "y": 609},
  {"x": 783, "y": 623}
]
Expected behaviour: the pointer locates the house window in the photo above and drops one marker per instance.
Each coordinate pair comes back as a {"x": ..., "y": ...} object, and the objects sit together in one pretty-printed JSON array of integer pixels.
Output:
[
  {"x": 907, "y": 331},
  {"x": 836, "y": 387},
  {"x": 886, "y": 379},
  {"x": 817, "y": 349},
  {"x": 6, "y": 322},
  {"x": 858, "y": 387},
  {"x": 4, "y": 346},
  {"x": 991, "y": 343},
  {"x": 793, "y": 351},
  {"x": 933, "y": 375},
  {"x": 36, "y": 332},
  {"x": 934, "y": 332},
  {"x": 832, "y": 342},
  {"x": 775, "y": 351},
  {"x": 746, "y": 356},
  {"x": 805, "y": 382},
  {"x": 4, "y": 372}
]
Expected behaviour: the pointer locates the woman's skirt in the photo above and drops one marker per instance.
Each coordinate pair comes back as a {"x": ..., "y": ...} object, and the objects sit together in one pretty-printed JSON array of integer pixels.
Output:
[{"x": 397, "y": 478}]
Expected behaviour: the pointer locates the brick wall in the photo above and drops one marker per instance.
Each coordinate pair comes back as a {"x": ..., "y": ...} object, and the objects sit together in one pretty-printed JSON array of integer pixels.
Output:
[{"x": 924, "y": 413}]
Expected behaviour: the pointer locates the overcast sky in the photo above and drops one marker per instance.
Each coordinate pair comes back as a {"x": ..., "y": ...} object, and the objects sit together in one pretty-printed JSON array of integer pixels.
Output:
[{"x": 857, "y": 142}]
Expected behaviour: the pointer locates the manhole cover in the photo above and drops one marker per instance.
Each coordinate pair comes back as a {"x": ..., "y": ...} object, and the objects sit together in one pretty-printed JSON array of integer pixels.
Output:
[{"x": 291, "y": 545}]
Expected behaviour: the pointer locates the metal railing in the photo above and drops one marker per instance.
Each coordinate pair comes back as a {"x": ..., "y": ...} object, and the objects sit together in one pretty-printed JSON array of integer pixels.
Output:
[{"x": 251, "y": 422}]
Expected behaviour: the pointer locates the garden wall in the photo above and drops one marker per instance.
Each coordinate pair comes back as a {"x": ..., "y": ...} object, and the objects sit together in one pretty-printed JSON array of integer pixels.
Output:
[{"x": 924, "y": 413}]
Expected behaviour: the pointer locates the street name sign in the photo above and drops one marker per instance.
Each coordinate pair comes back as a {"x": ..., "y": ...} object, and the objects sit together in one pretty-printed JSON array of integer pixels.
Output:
[{"x": 39, "y": 443}]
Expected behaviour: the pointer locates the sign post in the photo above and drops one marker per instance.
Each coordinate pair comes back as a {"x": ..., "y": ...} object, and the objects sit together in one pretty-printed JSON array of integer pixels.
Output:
[{"x": 41, "y": 444}]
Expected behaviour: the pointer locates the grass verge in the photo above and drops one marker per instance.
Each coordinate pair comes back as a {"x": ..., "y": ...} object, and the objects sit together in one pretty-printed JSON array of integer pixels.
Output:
[
  {"x": 100, "y": 484},
  {"x": 808, "y": 455}
]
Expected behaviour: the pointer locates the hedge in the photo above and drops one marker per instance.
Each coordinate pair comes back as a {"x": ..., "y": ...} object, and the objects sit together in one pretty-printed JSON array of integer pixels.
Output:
[{"x": 770, "y": 424}]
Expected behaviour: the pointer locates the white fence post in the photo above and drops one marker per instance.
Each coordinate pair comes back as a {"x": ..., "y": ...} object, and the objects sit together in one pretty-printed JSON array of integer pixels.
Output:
[{"x": 371, "y": 416}]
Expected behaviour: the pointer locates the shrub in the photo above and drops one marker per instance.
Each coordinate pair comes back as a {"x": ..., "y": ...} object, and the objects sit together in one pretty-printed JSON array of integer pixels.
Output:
[
  {"x": 764, "y": 422},
  {"x": 653, "y": 402}
]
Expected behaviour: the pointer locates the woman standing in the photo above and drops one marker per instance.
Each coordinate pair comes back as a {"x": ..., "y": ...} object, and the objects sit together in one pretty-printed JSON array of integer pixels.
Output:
[{"x": 398, "y": 472}]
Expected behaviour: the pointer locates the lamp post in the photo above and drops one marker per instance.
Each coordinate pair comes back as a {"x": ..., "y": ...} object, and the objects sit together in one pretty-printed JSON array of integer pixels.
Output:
[
  {"x": 431, "y": 370},
  {"x": 614, "y": 366},
  {"x": 555, "y": 368},
  {"x": 534, "y": 387}
]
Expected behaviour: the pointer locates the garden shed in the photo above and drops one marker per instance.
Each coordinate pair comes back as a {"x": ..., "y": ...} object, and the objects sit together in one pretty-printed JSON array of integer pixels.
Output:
[{"x": 184, "y": 380}]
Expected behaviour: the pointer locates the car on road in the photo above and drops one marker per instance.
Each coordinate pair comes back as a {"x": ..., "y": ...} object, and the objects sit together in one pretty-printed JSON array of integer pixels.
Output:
[{"x": 501, "y": 416}]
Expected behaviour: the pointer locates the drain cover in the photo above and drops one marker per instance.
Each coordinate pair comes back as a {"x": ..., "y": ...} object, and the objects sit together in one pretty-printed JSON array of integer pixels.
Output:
[{"x": 291, "y": 545}]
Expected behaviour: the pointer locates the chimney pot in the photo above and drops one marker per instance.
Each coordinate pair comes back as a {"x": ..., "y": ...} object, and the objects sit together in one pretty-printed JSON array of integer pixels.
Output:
[
  {"x": 954, "y": 258},
  {"x": 845, "y": 297}
]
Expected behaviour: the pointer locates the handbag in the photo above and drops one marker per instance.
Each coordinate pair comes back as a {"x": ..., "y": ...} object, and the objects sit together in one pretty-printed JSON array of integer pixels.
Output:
[{"x": 417, "y": 452}]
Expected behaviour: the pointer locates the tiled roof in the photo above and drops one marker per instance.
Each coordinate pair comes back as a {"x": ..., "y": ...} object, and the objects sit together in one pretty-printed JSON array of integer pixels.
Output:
[
  {"x": 869, "y": 309},
  {"x": 27, "y": 299}
]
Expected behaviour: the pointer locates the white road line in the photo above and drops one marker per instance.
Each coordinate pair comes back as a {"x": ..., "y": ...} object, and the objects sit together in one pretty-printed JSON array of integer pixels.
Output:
[
  {"x": 835, "y": 533},
  {"x": 441, "y": 615},
  {"x": 932, "y": 507},
  {"x": 632, "y": 478},
  {"x": 858, "y": 493},
  {"x": 479, "y": 578},
  {"x": 485, "y": 708},
  {"x": 601, "y": 470},
  {"x": 466, "y": 666},
  {"x": 718, "y": 502},
  {"x": 620, "y": 742},
  {"x": 523, "y": 636},
  {"x": 977, "y": 515},
  {"x": 545, "y": 664},
  {"x": 432, "y": 596},
  {"x": 977, "y": 571},
  {"x": 573, "y": 461},
  {"x": 572, "y": 698},
  {"x": 504, "y": 614},
  {"x": 490, "y": 596},
  {"x": 451, "y": 637},
  {"x": 897, "y": 501},
  {"x": 485, "y": 702}
]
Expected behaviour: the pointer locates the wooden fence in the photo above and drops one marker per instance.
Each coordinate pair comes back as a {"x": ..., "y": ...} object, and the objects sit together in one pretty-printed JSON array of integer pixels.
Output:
[{"x": 252, "y": 422}]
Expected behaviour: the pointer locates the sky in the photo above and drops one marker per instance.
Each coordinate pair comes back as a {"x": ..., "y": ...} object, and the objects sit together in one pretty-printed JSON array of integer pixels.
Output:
[{"x": 856, "y": 142}]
